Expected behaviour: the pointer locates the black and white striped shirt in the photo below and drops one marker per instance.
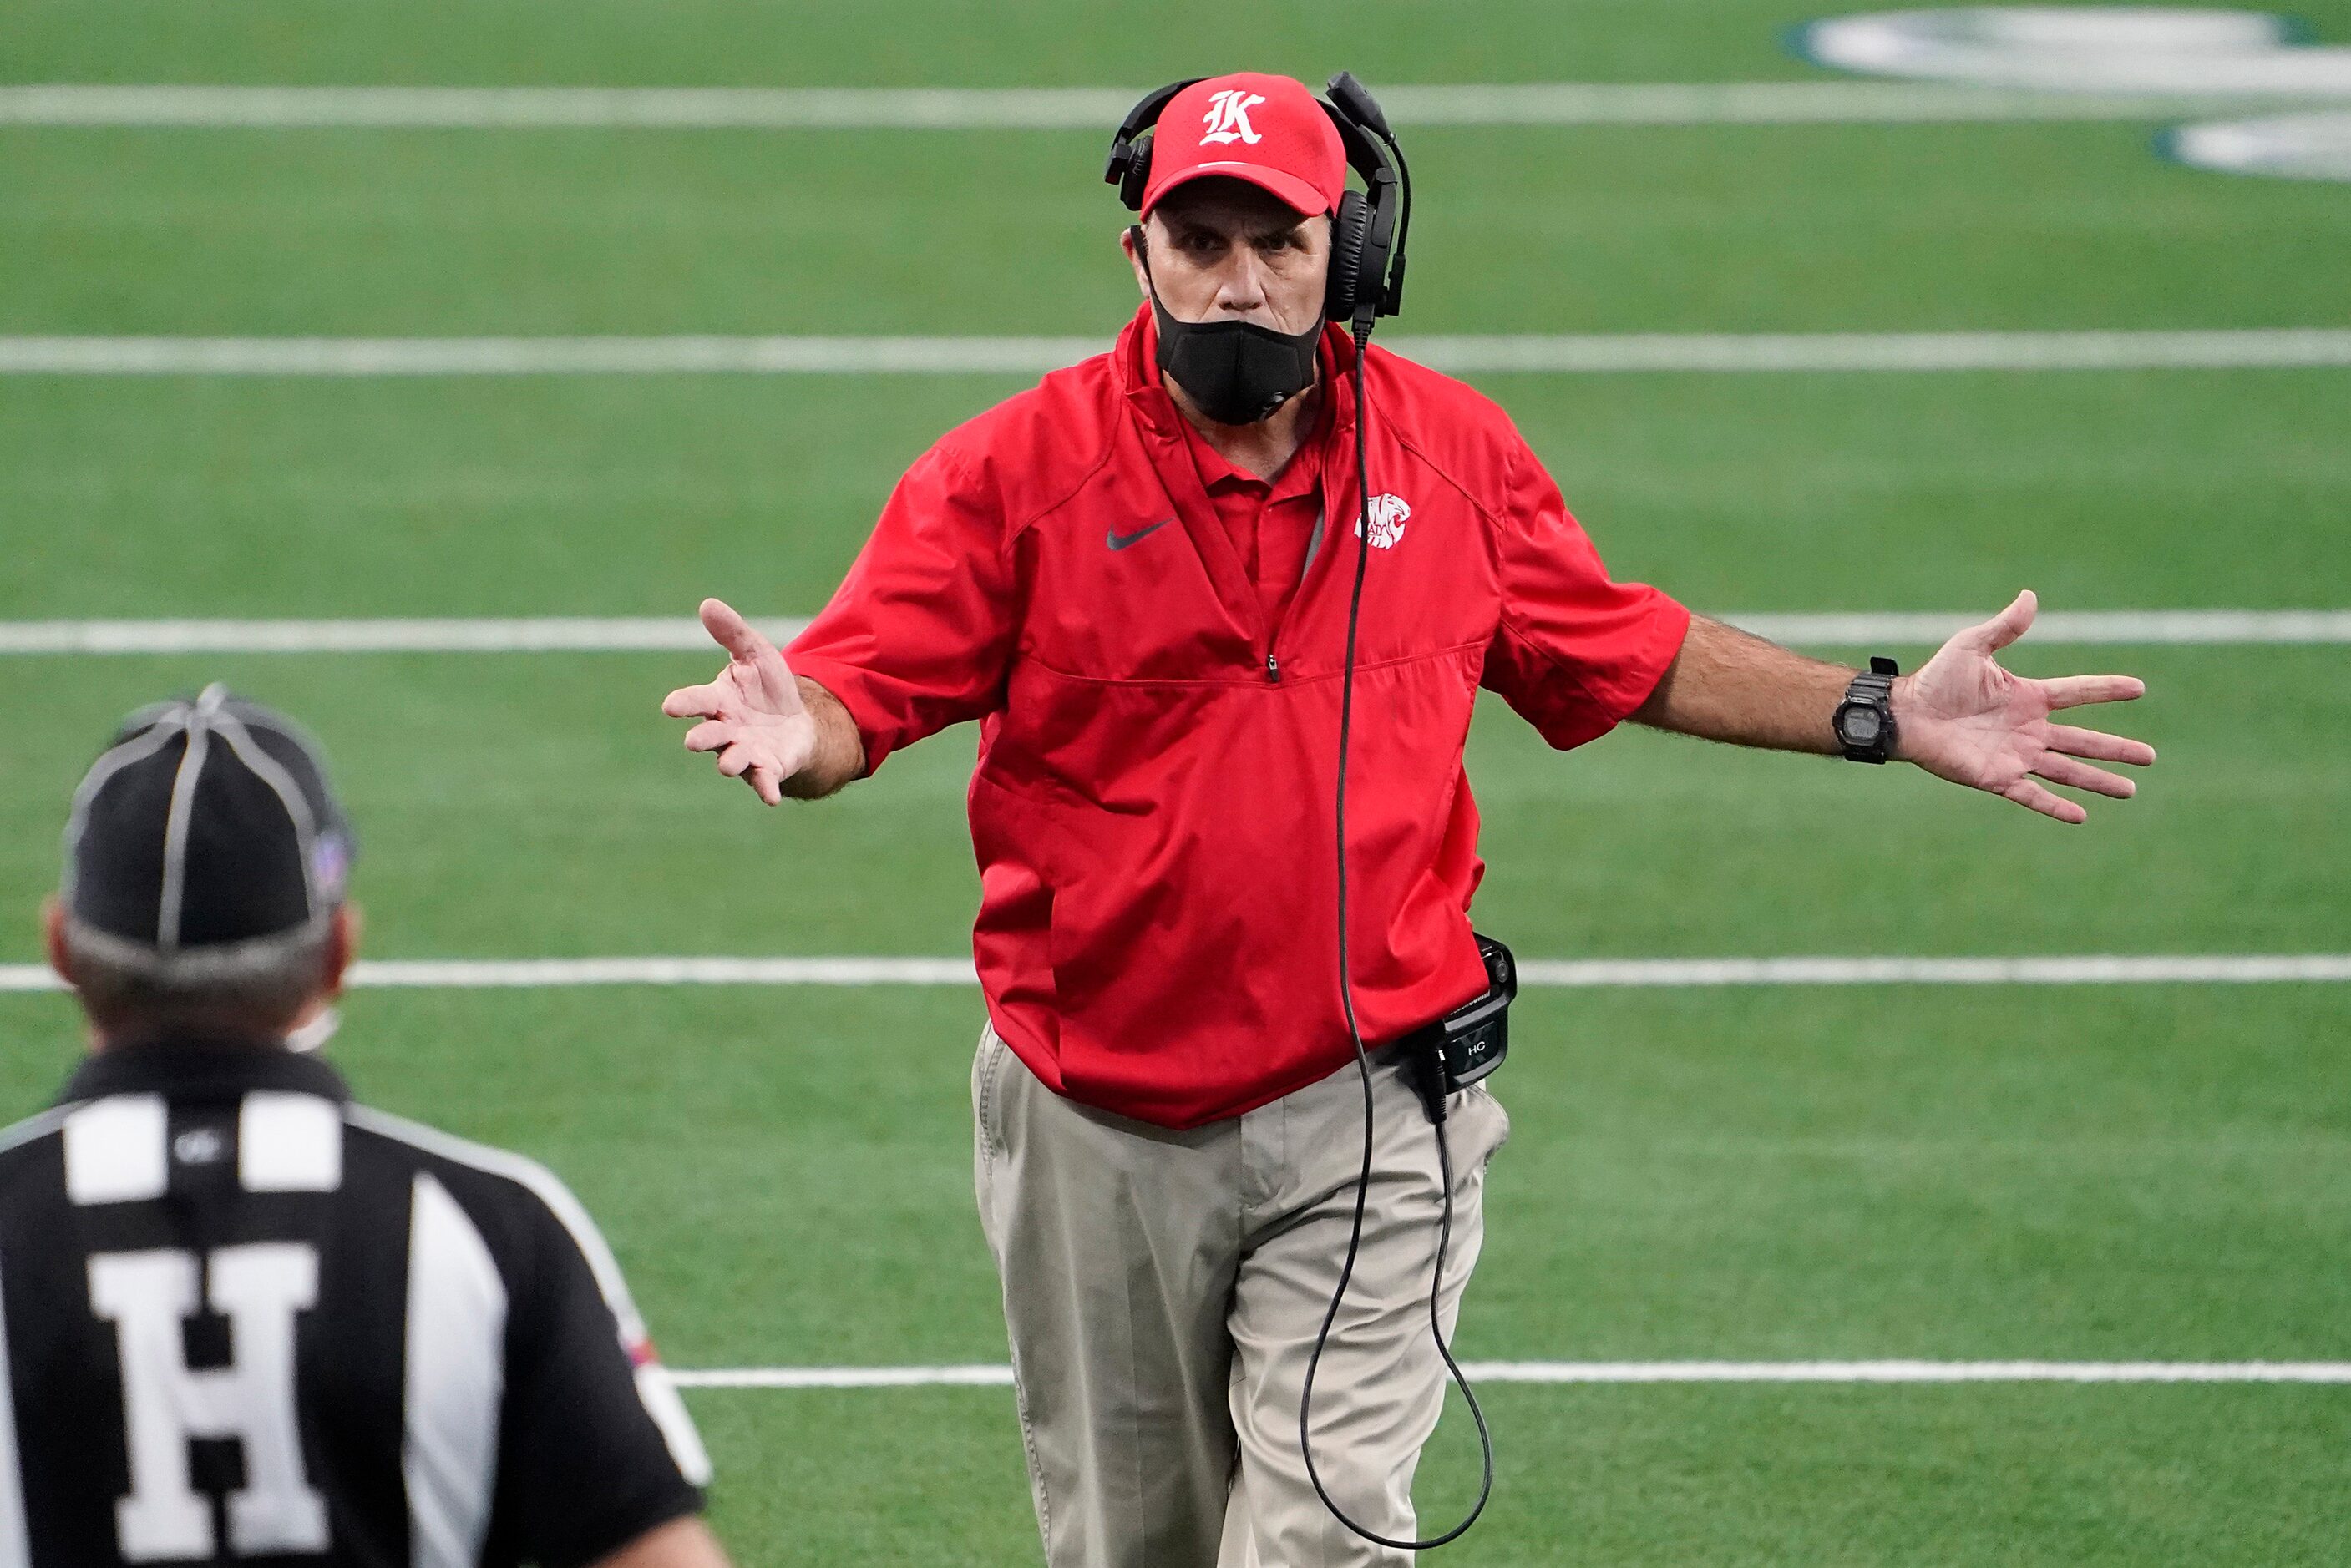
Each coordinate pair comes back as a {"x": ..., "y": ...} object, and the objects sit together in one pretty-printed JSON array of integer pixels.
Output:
[{"x": 247, "y": 1321}]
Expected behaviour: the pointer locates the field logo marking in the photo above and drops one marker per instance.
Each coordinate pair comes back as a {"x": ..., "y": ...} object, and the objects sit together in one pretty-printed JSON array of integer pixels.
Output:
[
  {"x": 2121, "y": 49},
  {"x": 2283, "y": 146}
]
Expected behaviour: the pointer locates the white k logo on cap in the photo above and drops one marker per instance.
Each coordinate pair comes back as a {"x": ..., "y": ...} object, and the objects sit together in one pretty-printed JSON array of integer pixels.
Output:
[{"x": 1228, "y": 117}]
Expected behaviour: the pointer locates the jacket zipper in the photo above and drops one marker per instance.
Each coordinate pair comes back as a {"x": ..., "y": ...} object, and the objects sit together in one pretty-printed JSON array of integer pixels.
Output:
[{"x": 1272, "y": 659}]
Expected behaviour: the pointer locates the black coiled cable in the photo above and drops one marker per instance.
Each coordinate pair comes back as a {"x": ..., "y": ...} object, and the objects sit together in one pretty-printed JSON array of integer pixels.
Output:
[{"x": 1364, "y": 1065}]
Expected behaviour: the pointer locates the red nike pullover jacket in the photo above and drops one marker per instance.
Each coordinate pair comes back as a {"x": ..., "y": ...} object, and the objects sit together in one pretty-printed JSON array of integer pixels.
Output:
[{"x": 1152, "y": 809}]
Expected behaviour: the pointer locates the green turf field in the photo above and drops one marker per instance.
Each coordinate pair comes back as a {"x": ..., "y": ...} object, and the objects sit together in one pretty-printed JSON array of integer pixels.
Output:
[{"x": 2117, "y": 1173}]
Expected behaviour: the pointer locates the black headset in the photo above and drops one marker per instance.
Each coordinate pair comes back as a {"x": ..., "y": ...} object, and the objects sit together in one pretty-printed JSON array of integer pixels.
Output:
[{"x": 1367, "y": 231}]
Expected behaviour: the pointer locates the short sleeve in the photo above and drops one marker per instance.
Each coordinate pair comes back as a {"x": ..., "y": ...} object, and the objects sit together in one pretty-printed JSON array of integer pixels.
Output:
[
  {"x": 1574, "y": 652},
  {"x": 590, "y": 1457},
  {"x": 922, "y": 629}
]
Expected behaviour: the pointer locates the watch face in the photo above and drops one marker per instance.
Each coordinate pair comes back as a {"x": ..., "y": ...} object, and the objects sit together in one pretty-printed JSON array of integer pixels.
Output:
[{"x": 1861, "y": 725}]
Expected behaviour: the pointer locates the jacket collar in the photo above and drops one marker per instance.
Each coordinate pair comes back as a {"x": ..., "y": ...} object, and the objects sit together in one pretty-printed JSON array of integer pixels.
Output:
[
  {"x": 1161, "y": 427},
  {"x": 201, "y": 1069}
]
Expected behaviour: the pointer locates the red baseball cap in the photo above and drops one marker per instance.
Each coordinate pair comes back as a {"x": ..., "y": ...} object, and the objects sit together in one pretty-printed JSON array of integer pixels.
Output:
[{"x": 1268, "y": 131}]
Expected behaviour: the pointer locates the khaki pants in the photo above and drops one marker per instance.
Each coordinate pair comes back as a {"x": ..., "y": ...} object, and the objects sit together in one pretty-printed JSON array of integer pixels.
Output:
[{"x": 1162, "y": 1290}]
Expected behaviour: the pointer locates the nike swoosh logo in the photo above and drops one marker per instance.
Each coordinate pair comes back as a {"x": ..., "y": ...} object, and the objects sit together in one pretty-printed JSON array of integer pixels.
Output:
[{"x": 1118, "y": 541}]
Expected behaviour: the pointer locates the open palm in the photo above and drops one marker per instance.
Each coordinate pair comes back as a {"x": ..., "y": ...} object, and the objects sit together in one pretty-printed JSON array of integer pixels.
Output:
[
  {"x": 752, "y": 715},
  {"x": 1963, "y": 718}
]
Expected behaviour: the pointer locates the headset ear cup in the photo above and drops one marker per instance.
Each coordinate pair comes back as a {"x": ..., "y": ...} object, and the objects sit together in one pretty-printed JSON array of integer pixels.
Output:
[
  {"x": 1137, "y": 174},
  {"x": 1350, "y": 226}
]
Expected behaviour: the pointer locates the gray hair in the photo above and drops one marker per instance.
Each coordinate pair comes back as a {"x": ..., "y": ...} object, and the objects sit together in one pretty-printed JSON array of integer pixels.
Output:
[{"x": 261, "y": 984}]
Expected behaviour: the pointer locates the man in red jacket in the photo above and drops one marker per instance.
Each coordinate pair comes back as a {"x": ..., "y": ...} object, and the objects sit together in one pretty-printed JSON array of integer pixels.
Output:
[{"x": 1129, "y": 576}]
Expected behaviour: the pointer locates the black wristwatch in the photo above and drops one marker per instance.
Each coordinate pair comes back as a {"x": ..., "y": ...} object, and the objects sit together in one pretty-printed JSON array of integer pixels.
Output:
[{"x": 1865, "y": 719}]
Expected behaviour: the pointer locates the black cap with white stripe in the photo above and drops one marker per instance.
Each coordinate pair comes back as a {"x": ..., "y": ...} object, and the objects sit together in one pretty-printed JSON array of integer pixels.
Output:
[{"x": 207, "y": 828}]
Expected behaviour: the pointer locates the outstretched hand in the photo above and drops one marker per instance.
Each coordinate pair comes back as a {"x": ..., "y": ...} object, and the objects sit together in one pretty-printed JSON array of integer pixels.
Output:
[
  {"x": 1963, "y": 718},
  {"x": 752, "y": 715}
]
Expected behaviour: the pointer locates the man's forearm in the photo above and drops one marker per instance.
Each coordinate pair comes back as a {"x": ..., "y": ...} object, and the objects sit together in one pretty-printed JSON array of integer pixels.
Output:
[
  {"x": 840, "y": 756},
  {"x": 1728, "y": 685}
]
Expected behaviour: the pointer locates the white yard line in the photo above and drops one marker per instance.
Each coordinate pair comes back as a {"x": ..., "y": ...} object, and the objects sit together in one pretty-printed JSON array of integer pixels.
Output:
[
  {"x": 500, "y": 975},
  {"x": 1708, "y": 353},
  {"x": 843, "y": 1377},
  {"x": 2287, "y": 348},
  {"x": 539, "y": 356},
  {"x": 1555, "y": 1372},
  {"x": 607, "y": 634},
  {"x": 1085, "y": 108},
  {"x": 2145, "y": 627},
  {"x": 682, "y": 634},
  {"x": 2094, "y": 969},
  {"x": 2191, "y": 969},
  {"x": 475, "y": 973}
]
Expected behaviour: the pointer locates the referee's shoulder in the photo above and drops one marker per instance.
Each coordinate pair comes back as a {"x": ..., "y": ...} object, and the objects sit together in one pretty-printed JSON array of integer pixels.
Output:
[
  {"x": 30, "y": 1144},
  {"x": 514, "y": 1199}
]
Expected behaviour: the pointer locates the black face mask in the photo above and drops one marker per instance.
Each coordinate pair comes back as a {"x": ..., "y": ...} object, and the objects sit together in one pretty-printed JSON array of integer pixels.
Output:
[{"x": 1238, "y": 371}]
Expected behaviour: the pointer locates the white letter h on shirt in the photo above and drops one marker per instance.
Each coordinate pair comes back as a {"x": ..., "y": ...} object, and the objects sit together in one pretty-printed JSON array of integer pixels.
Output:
[{"x": 149, "y": 1296}]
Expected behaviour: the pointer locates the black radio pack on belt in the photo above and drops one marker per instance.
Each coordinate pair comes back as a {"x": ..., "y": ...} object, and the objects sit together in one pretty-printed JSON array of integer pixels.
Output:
[{"x": 1470, "y": 1041}]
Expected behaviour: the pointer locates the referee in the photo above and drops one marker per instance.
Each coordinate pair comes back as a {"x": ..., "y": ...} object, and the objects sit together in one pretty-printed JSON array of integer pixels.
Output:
[
  {"x": 1137, "y": 578},
  {"x": 245, "y": 1319}
]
